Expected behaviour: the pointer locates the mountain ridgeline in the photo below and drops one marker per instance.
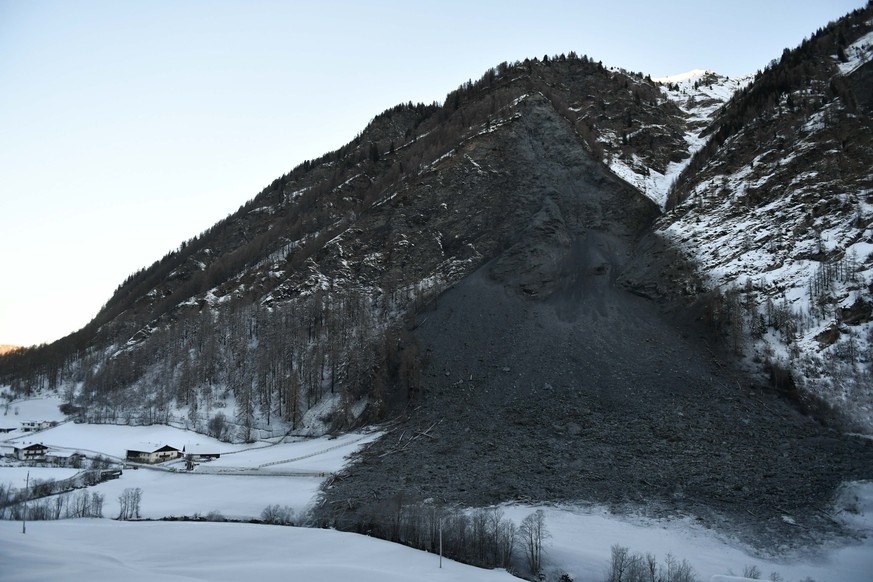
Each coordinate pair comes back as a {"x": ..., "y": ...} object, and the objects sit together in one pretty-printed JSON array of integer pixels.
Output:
[
  {"x": 368, "y": 234},
  {"x": 480, "y": 273}
]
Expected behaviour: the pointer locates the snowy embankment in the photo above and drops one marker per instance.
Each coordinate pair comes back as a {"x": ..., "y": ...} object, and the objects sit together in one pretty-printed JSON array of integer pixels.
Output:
[{"x": 581, "y": 541}]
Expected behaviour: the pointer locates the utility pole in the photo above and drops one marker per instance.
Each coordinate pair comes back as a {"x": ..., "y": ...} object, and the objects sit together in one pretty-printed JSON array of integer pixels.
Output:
[
  {"x": 441, "y": 541},
  {"x": 24, "y": 514}
]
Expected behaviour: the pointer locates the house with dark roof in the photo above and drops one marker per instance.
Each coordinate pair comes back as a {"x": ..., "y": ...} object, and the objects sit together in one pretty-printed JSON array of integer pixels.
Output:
[
  {"x": 34, "y": 452},
  {"x": 165, "y": 453}
]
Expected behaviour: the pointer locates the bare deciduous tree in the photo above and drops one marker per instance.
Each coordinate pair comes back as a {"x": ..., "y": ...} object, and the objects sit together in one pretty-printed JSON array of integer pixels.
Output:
[
  {"x": 625, "y": 566},
  {"x": 533, "y": 532},
  {"x": 129, "y": 501}
]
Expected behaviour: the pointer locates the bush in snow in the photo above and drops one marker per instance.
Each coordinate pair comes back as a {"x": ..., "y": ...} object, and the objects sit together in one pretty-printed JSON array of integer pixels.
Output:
[
  {"x": 218, "y": 428},
  {"x": 278, "y": 515},
  {"x": 215, "y": 516}
]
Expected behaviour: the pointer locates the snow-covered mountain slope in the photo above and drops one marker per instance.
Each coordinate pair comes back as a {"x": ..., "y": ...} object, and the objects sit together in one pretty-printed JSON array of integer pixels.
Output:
[
  {"x": 698, "y": 94},
  {"x": 856, "y": 55},
  {"x": 778, "y": 215}
]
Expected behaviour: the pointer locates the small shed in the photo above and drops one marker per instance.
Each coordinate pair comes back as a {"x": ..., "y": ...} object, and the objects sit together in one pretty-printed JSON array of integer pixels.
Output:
[
  {"x": 197, "y": 452},
  {"x": 199, "y": 456}
]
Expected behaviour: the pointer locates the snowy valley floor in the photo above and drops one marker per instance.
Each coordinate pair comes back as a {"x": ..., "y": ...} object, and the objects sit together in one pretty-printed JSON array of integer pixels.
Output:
[
  {"x": 104, "y": 549},
  {"x": 248, "y": 478}
]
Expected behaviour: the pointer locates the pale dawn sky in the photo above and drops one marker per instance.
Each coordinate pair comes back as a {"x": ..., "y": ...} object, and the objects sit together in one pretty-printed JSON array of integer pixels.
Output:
[{"x": 128, "y": 127}]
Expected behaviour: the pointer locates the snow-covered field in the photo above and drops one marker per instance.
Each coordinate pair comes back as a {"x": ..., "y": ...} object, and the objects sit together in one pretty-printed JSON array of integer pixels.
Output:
[
  {"x": 239, "y": 485},
  {"x": 13, "y": 413},
  {"x": 91, "y": 550},
  {"x": 33, "y": 409},
  {"x": 579, "y": 544},
  {"x": 315, "y": 455},
  {"x": 186, "y": 494},
  {"x": 294, "y": 454}
]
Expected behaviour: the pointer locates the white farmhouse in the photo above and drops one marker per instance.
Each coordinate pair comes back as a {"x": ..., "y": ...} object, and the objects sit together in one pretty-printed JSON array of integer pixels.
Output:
[{"x": 165, "y": 453}]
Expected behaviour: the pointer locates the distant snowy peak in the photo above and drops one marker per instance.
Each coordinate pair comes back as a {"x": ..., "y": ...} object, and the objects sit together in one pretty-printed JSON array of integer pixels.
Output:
[
  {"x": 700, "y": 97},
  {"x": 689, "y": 76},
  {"x": 702, "y": 83}
]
